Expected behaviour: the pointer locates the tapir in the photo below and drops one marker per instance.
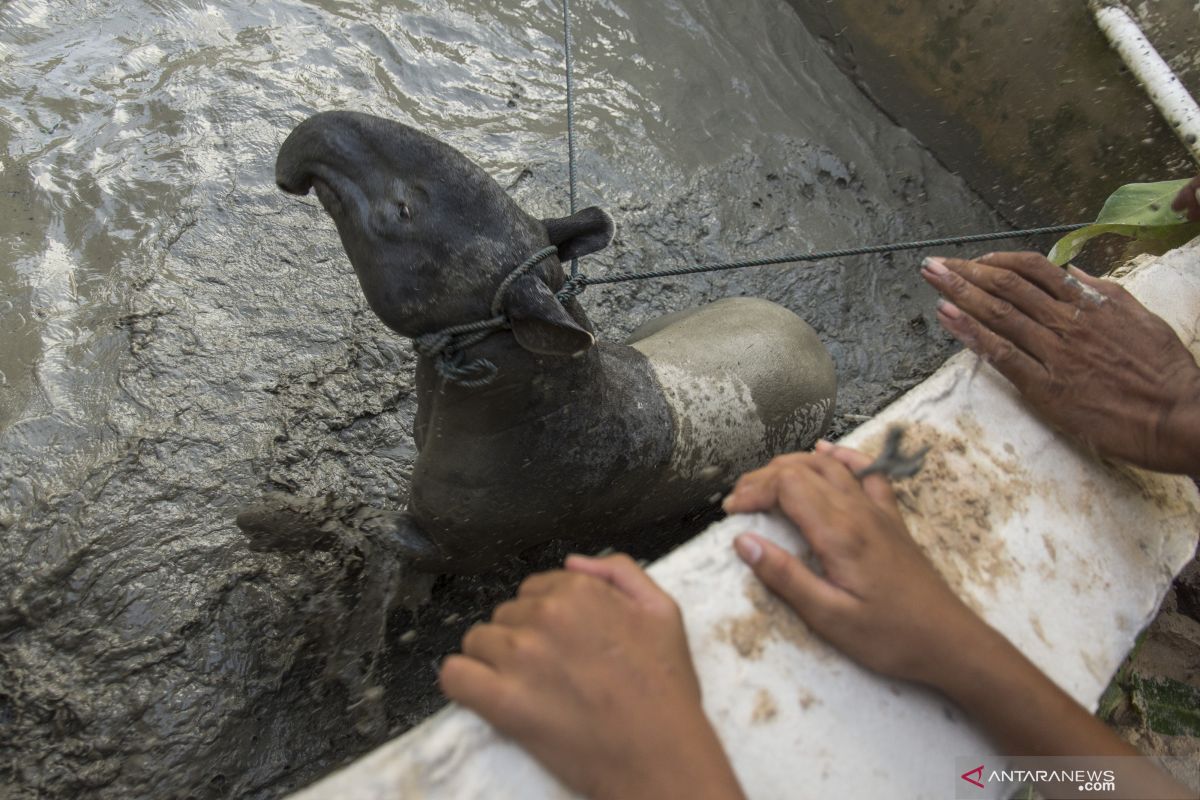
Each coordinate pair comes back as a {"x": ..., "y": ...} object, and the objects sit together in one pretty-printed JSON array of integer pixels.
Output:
[{"x": 567, "y": 437}]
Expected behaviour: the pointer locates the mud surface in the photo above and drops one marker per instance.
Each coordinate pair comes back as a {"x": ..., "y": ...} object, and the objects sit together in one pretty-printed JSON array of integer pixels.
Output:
[
  {"x": 771, "y": 620},
  {"x": 1026, "y": 100},
  {"x": 179, "y": 336}
]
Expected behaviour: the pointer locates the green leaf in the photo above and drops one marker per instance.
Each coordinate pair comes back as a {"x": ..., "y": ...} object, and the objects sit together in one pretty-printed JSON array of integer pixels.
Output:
[
  {"x": 1112, "y": 699},
  {"x": 1168, "y": 706},
  {"x": 1137, "y": 210}
]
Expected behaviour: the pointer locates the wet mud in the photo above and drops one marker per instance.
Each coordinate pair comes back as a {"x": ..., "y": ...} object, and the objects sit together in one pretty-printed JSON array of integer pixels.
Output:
[{"x": 179, "y": 336}]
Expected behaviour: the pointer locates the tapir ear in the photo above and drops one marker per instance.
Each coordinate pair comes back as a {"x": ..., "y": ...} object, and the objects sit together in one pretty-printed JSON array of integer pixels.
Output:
[
  {"x": 581, "y": 233},
  {"x": 540, "y": 323}
]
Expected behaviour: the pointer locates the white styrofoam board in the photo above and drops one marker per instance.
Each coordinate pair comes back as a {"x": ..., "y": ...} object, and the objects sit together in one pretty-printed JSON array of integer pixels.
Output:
[{"x": 1066, "y": 556}]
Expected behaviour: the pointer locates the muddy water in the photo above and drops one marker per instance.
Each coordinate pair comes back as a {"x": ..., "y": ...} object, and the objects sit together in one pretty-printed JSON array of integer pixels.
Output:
[{"x": 178, "y": 335}]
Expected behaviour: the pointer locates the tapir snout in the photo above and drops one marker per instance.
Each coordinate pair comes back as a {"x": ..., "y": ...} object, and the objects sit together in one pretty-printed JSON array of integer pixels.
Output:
[{"x": 430, "y": 234}]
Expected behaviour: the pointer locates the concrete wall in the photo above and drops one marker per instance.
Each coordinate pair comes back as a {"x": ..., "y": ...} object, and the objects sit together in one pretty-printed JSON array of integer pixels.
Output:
[
  {"x": 1024, "y": 99},
  {"x": 1067, "y": 556}
]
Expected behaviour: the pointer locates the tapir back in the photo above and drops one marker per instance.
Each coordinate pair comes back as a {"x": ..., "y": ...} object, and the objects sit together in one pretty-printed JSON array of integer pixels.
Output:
[{"x": 746, "y": 379}]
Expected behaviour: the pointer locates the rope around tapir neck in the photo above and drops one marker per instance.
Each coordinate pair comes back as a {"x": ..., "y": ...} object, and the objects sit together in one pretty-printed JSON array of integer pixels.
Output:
[{"x": 446, "y": 346}]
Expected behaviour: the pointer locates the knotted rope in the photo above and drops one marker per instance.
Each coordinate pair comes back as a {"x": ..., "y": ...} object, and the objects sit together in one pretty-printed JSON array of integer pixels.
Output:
[{"x": 446, "y": 346}]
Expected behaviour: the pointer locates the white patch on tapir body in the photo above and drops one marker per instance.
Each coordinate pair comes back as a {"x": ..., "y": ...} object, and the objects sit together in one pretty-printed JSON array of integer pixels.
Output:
[
  {"x": 716, "y": 423},
  {"x": 805, "y": 425}
]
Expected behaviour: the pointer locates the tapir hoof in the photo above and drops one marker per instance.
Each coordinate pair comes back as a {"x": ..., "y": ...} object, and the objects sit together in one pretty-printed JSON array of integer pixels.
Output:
[{"x": 285, "y": 522}]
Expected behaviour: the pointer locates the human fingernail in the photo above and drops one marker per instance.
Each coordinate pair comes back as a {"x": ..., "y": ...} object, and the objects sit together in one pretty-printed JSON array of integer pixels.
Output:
[
  {"x": 947, "y": 308},
  {"x": 935, "y": 265},
  {"x": 728, "y": 501},
  {"x": 823, "y": 445},
  {"x": 748, "y": 549}
]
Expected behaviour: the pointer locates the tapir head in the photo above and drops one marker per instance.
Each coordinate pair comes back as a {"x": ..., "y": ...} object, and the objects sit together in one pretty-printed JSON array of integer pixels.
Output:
[{"x": 431, "y": 235}]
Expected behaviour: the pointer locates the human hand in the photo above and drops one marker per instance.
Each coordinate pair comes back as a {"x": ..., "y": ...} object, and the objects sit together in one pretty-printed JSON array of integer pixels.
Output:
[
  {"x": 1084, "y": 353},
  {"x": 1187, "y": 202},
  {"x": 882, "y": 603},
  {"x": 588, "y": 669},
  {"x": 878, "y": 599}
]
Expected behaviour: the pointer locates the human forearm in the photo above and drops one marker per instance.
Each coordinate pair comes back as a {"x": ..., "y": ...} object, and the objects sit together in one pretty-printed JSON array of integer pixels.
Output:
[
  {"x": 1027, "y": 714},
  {"x": 1023, "y": 711}
]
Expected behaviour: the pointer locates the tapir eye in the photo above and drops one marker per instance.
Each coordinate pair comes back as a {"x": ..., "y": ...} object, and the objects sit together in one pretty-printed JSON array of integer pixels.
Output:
[{"x": 403, "y": 210}]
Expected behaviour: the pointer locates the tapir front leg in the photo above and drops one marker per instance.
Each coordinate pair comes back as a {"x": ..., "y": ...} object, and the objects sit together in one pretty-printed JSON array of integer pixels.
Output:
[
  {"x": 284, "y": 522},
  {"x": 373, "y": 571}
]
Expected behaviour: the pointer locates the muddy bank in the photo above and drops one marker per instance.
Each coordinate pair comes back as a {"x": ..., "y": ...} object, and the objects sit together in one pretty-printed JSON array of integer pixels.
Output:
[
  {"x": 1026, "y": 100},
  {"x": 1154, "y": 698},
  {"x": 180, "y": 336}
]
